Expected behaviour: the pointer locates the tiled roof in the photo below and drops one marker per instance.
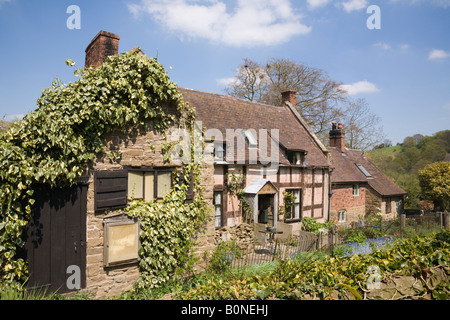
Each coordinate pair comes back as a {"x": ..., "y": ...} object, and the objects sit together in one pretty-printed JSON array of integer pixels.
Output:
[
  {"x": 222, "y": 112},
  {"x": 345, "y": 170}
]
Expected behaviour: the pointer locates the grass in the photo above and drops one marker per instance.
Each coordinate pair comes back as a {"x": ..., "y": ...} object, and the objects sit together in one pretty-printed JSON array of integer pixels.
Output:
[{"x": 376, "y": 155}]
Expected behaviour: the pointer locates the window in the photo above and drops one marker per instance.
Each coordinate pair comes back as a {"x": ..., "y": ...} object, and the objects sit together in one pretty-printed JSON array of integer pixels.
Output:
[
  {"x": 342, "y": 216},
  {"x": 363, "y": 170},
  {"x": 218, "y": 208},
  {"x": 295, "y": 209},
  {"x": 252, "y": 142},
  {"x": 218, "y": 152},
  {"x": 149, "y": 185},
  {"x": 388, "y": 205},
  {"x": 296, "y": 157},
  {"x": 356, "y": 189}
]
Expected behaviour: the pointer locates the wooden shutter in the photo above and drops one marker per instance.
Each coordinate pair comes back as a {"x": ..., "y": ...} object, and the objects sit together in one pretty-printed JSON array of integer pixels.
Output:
[{"x": 110, "y": 189}]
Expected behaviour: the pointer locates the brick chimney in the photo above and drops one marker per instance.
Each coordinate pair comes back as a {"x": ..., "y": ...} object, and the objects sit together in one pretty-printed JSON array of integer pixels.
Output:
[
  {"x": 289, "y": 96},
  {"x": 337, "y": 136},
  {"x": 103, "y": 45}
]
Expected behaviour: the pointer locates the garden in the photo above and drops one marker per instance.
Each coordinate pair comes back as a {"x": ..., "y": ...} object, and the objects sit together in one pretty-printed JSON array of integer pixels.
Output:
[{"x": 370, "y": 263}]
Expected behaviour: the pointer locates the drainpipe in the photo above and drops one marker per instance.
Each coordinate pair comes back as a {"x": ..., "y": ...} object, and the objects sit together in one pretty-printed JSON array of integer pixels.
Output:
[{"x": 330, "y": 193}]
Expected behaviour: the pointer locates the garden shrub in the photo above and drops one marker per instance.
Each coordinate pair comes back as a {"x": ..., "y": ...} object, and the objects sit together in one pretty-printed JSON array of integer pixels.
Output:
[
  {"x": 313, "y": 226},
  {"x": 307, "y": 276},
  {"x": 224, "y": 254}
]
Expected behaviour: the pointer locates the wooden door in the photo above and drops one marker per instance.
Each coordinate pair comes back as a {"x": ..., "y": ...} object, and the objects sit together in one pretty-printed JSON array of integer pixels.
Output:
[
  {"x": 56, "y": 238},
  {"x": 266, "y": 209}
]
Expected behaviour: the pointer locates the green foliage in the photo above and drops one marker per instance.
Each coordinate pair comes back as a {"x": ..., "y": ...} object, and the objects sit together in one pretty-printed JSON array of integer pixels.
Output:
[
  {"x": 168, "y": 230},
  {"x": 321, "y": 276},
  {"x": 54, "y": 143},
  {"x": 404, "y": 161},
  {"x": 435, "y": 183},
  {"x": 235, "y": 187},
  {"x": 313, "y": 226},
  {"x": 289, "y": 200},
  {"x": 223, "y": 256}
]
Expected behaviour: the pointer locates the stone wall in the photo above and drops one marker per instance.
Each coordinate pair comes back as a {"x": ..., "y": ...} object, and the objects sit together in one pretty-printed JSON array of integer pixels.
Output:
[
  {"x": 123, "y": 150},
  {"x": 243, "y": 234}
]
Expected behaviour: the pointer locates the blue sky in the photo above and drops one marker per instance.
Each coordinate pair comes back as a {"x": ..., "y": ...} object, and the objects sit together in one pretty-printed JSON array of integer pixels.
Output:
[{"x": 402, "y": 69}]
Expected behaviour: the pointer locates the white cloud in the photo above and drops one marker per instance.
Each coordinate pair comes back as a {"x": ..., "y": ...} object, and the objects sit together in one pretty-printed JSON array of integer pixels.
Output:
[
  {"x": 383, "y": 45},
  {"x": 13, "y": 117},
  {"x": 250, "y": 23},
  {"x": 404, "y": 46},
  {"x": 359, "y": 87},
  {"x": 227, "y": 81},
  {"x": 317, "y": 3},
  {"x": 440, "y": 3},
  {"x": 352, "y": 5},
  {"x": 438, "y": 54}
]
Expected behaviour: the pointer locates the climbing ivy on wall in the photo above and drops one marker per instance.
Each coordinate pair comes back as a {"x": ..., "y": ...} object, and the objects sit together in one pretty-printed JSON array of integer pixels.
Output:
[
  {"x": 55, "y": 143},
  {"x": 168, "y": 231}
]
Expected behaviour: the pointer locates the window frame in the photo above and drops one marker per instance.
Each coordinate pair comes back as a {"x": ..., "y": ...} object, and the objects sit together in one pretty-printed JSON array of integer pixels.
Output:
[
  {"x": 339, "y": 215},
  {"x": 220, "y": 205},
  {"x": 297, "y": 203},
  {"x": 356, "y": 190},
  {"x": 388, "y": 205},
  {"x": 156, "y": 172}
]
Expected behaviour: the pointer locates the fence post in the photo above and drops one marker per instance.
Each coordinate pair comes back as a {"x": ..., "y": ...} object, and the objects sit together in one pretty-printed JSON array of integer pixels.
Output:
[
  {"x": 446, "y": 220},
  {"x": 402, "y": 221}
]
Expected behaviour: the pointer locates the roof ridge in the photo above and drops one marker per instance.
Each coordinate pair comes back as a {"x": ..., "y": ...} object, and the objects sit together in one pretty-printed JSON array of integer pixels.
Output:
[{"x": 233, "y": 98}]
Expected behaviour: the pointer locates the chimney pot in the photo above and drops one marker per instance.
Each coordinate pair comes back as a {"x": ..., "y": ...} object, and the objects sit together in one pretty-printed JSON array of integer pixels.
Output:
[
  {"x": 289, "y": 96},
  {"x": 337, "y": 136},
  {"x": 103, "y": 45}
]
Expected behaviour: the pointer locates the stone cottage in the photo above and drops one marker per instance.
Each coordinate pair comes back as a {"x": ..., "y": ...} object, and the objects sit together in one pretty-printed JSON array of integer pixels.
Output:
[
  {"x": 359, "y": 188},
  {"x": 79, "y": 237}
]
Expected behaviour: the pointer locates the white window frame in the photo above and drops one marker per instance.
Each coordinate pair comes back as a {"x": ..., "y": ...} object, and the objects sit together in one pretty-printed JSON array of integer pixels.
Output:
[
  {"x": 295, "y": 210},
  {"x": 342, "y": 216},
  {"x": 356, "y": 190},
  {"x": 218, "y": 207}
]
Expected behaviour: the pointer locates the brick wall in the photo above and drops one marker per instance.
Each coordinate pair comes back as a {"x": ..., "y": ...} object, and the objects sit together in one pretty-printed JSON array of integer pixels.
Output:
[{"x": 343, "y": 199}]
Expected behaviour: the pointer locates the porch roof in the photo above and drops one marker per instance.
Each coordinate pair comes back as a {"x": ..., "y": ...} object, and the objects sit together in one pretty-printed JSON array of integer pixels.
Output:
[{"x": 256, "y": 186}]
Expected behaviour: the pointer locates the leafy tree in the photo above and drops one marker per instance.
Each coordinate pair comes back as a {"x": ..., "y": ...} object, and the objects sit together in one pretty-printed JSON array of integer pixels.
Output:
[{"x": 435, "y": 183}]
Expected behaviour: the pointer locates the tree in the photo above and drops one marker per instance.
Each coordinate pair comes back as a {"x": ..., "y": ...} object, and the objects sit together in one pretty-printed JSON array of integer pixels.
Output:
[
  {"x": 318, "y": 96},
  {"x": 435, "y": 183},
  {"x": 362, "y": 127},
  {"x": 249, "y": 82}
]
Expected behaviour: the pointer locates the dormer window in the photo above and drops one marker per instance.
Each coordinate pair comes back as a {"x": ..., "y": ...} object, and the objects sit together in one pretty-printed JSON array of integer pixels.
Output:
[
  {"x": 296, "y": 157},
  {"x": 218, "y": 152},
  {"x": 251, "y": 139}
]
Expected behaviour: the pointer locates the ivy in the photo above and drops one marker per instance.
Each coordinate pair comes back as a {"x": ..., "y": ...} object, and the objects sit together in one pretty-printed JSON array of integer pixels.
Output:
[
  {"x": 57, "y": 141},
  {"x": 168, "y": 230},
  {"x": 320, "y": 276}
]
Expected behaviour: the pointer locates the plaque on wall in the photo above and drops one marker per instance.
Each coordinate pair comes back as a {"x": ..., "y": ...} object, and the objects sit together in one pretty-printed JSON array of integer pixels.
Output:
[{"x": 121, "y": 245}]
